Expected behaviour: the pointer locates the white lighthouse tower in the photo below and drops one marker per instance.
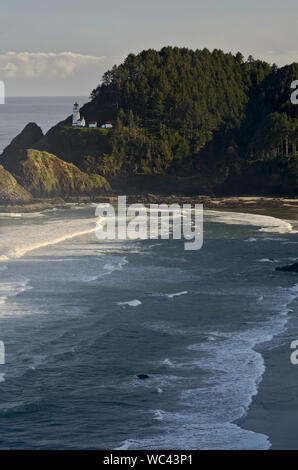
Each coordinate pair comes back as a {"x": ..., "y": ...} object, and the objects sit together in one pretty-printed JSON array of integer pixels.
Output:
[{"x": 77, "y": 121}]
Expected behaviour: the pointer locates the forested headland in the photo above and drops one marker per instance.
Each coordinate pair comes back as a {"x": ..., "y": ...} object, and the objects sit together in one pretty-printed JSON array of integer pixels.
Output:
[{"x": 189, "y": 121}]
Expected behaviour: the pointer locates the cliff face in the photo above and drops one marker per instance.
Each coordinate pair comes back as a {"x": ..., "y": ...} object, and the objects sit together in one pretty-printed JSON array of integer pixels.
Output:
[
  {"x": 43, "y": 174},
  {"x": 10, "y": 191}
]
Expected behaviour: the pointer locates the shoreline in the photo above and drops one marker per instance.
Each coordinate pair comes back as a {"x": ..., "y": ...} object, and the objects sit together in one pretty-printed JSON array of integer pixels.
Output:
[
  {"x": 246, "y": 203},
  {"x": 273, "y": 411}
]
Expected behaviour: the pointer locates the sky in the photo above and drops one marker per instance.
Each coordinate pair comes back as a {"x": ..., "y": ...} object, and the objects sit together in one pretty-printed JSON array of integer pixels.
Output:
[{"x": 62, "y": 47}]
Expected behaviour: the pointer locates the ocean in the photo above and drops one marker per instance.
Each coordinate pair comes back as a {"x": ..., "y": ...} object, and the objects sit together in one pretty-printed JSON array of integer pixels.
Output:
[
  {"x": 45, "y": 111},
  {"x": 81, "y": 318}
]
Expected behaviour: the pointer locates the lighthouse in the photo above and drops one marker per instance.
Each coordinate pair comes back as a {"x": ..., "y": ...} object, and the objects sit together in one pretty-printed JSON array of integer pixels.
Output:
[{"x": 77, "y": 121}]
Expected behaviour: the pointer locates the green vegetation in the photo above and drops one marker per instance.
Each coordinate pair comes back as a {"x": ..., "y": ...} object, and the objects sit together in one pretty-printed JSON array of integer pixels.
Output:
[
  {"x": 10, "y": 190},
  {"x": 177, "y": 111},
  {"x": 183, "y": 121},
  {"x": 85, "y": 130},
  {"x": 44, "y": 174}
]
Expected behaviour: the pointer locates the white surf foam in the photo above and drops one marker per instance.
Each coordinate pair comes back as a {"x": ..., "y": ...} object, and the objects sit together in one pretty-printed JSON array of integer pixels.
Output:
[
  {"x": 167, "y": 362},
  {"x": 267, "y": 260},
  {"x": 21, "y": 214},
  {"x": 233, "y": 371},
  {"x": 19, "y": 240},
  {"x": 10, "y": 214},
  {"x": 177, "y": 294},
  {"x": 108, "y": 269},
  {"x": 12, "y": 289},
  {"x": 131, "y": 303},
  {"x": 159, "y": 415},
  {"x": 19, "y": 252},
  {"x": 266, "y": 223}
]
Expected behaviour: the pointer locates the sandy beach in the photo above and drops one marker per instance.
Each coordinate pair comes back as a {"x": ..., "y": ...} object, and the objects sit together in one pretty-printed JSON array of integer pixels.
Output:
[
  {"x": 246, "y": 203},
  {"x": 274, "y": 410}
]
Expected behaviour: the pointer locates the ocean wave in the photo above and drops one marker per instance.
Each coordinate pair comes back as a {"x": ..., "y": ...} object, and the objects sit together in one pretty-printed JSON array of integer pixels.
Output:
[
  {"x": 233, "y": 370},
  {"x": 21, "y": 239},
  {"x": 19, "y": 252},
  {"x": 12, "y": 289},
  {"x": 125, "y": 445},
  {"x": 177, "y": 294},
  {"x": 159, "y": 415},
  {"x": 108, "y": 269},
  {"x": 168, "y": 296},
  {"x": 265, "y": 222},
  {"x": 10, "y": 214},
  {"x": 21, "y": 214},
  {"x": 179, "y": 365},
  {"x": 193, "y": 433},
  {"x": 267, "y": 260},
  {"x": 131, "y": 303},
  {"x": 167, "y": 362}
]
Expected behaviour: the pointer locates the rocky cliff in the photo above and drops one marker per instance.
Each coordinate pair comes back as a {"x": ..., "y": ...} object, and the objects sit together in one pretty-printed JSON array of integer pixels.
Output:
[
  {"x": 14, "y": 152},
  {"x": 10, "y": 191},
  {"x": 43, "y": 174}
]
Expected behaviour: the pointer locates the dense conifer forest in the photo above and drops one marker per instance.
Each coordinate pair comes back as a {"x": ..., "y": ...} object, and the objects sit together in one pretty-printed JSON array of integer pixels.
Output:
[
  {"x": 176, "y": 108},
  {"x": 217, "y": 122}
]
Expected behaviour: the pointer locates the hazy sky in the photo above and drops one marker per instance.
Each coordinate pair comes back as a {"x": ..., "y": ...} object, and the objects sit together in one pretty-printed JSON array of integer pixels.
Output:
[{"x": 62, "y": 47}]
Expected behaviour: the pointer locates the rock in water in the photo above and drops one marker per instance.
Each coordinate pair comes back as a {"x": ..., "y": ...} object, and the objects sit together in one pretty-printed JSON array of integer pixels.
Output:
[
  {"x": 293, "y": 268},
  {"x": 143, "y": 376}
]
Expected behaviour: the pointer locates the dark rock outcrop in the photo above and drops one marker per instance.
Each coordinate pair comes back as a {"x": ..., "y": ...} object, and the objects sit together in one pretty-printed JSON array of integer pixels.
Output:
[
  {"x": 143, "y": 376},
  {"x": 292, "y": 268},
  {"x": 43, "y": 174},
  {"x": 10, "y": 191},
  {"x": 14, "y": 152}
]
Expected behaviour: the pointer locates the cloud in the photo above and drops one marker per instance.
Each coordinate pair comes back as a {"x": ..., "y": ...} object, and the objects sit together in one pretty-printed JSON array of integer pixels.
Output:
[{"x": 45, "y": 64}]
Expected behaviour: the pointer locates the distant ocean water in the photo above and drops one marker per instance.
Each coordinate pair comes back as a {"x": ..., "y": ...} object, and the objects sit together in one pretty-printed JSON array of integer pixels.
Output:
[
  {"x": 80, "y": 319},
  {"x": 45, "y": 111}
]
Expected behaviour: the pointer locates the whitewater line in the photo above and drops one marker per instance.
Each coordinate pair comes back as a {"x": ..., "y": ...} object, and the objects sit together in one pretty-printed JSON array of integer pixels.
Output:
[
  {"x": 21, "y": 251},
  {"x": 266, "y": 223}
]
